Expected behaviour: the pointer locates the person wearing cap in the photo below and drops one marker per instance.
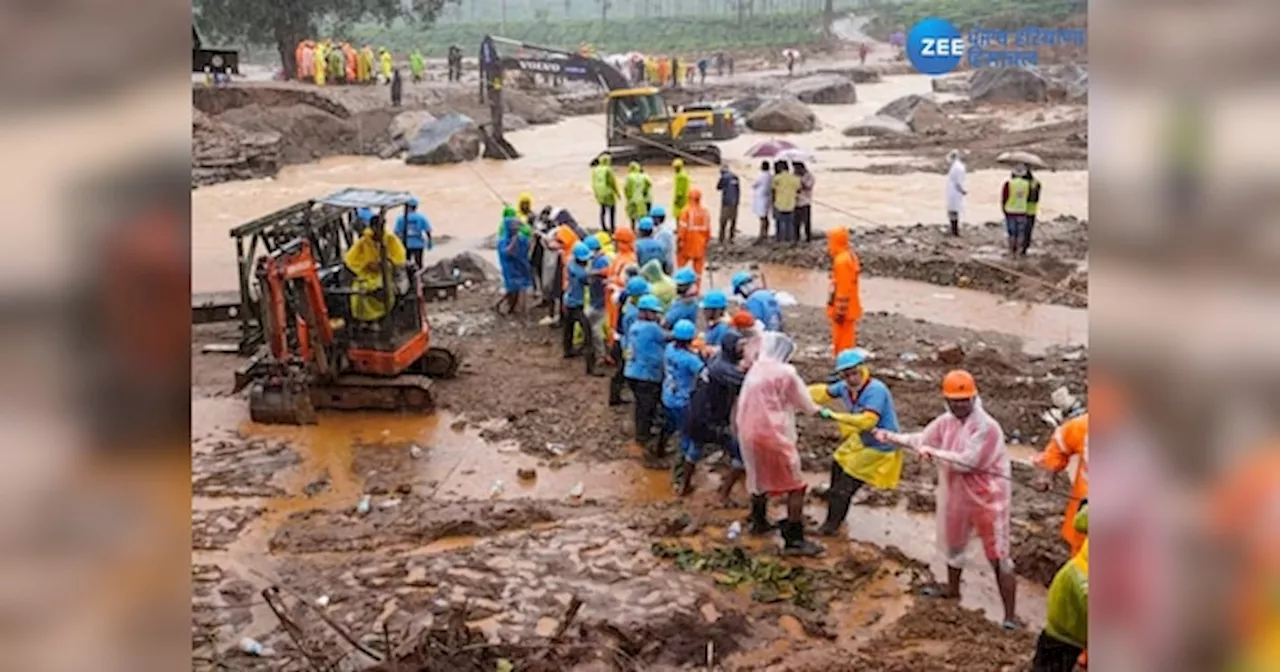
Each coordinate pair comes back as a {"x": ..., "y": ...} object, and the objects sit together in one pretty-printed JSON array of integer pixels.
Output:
[
  {"x": 648, "y": 247},
  {"x": 680, "y": 366},
  {"x": 627, "y": 298},
  {"x": 1033, "y": 208},
  {"x": 644, "y": 351},
  {"x": 714, "y": 304},
  {"x": 685, "y": 307},
  {"x": 866, "y": 404},
  {"x": 762, "y": 303},
  {"x": 575, "y": 309},
  {"x": 844, "y": 307},
  {"x": 974, "y": 485},
  {"x": 524, "y": 207},
  {"x": 372, "y": 299},
  {"x": 665, "y": 232},
  {"x": 604, "y": 184},
  {"x": 414, "y": 230},
  {"x": 680, "y": 190},
  {"x": 1014, "y": 198}
]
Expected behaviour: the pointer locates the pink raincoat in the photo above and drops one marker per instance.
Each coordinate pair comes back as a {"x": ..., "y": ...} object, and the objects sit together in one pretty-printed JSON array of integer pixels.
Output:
[
  {"x": 973, "y": 483},
  {"x": 765, "y": 418}
]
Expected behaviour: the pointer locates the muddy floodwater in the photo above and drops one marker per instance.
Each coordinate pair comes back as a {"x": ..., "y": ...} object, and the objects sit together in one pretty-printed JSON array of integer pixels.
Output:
[{"x": 463, "y": 200}]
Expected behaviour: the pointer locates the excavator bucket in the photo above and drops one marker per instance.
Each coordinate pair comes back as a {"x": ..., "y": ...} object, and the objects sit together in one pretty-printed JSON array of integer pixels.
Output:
[{"x": 281, "y": 400}]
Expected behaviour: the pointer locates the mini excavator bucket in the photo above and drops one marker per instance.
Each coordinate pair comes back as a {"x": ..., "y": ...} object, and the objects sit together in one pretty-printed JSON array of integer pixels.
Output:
[{"x": 282, "y": 398}]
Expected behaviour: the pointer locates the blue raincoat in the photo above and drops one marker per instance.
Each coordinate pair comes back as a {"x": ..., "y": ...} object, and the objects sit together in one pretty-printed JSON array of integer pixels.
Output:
[{"x": 513, "y": 256}]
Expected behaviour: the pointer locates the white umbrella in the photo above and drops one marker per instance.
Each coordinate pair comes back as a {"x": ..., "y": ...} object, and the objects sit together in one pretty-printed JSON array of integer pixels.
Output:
[
  {"x": 797, "y": 154},
  {"x": 1016, "y": 157}
]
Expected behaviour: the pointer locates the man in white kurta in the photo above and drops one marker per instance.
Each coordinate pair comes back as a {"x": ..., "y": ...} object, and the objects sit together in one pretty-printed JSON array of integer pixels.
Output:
[{"x": 955, "y": 190}]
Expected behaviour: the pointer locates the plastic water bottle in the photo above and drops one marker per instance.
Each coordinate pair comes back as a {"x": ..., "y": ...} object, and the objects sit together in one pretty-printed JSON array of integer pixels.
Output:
[
  {"x": 735, "y": 530},
  {"x": 363, "y": 507},
  {"x": 496, "y": 490},
  {"x": 252, "y": 647}
]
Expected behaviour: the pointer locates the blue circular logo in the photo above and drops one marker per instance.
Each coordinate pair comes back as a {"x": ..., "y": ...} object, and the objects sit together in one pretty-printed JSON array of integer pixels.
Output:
[{"x": 934, "y": 46}]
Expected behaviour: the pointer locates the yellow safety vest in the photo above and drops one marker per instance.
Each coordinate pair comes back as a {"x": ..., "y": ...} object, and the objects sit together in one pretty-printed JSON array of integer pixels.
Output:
[
  {"x": 1019, "y": 190},
  {"x": 1033, "y": 206}
]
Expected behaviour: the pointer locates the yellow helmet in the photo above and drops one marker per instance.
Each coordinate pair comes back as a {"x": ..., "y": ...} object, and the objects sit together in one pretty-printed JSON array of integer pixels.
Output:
[
  {"x": 677, "y": 164},
  {"x": 526, "y": 199}
]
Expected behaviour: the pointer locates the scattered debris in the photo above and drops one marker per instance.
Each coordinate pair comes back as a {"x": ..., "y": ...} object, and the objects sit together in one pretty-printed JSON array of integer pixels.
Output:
[{"x": 527, "y": 474}]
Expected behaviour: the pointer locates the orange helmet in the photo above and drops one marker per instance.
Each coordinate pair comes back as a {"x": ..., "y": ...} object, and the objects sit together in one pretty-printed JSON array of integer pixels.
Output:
[
  {"x": 624, "y": 234},
  {"x": 959, "y": 384},
  {"x": 743, "y": 320},
  {"x": 695, "y": 195}
]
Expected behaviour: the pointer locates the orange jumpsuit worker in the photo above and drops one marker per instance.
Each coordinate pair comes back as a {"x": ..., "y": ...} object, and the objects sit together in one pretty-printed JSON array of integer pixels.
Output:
[
  {"x": 567, "y": 239},
  {"x": 1070, "y": 439},
  {"x": 350, "y": 60},
  {"x": 692, "y": 235},
  {"x": 624, "y": 243},
  {"x": 844, "y": 308}
]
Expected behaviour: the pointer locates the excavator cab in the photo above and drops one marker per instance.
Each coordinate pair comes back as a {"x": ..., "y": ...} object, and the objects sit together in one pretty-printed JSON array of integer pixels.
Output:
[{"x": 642, "y": 127}]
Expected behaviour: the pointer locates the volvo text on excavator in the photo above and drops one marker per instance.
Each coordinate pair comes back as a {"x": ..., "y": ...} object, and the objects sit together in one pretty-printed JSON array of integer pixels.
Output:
[
  {"x": 320, "y": 351},
  {"x": 639, "y": 124}
]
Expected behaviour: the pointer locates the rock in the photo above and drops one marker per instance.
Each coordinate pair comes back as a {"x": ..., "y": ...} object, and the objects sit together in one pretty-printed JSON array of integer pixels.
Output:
[
  {"x": 743, "y": 107},
  {"x": 470, "y": 266},
  {"x": 533, "y": 109},
  {"x": 1067, "y": 82},
  {"x": 221, "y": 152},
  {"x": 1009, "y": 84},
  {"x": 957, "y": 82},
  {"x": 526, "y": 474},
  {"x": 513, "y": 122},
  {"x": 951, "y": 354},
  {"x": 782, "y": 115},
  {"x": 922, "y": 114},
  {"x": 479, "y": 608},
  {"x": 453, "y": 138},
  {"x": 859, "y": 74},
  {"x": 407, "y": 124},
  {"x": 877, "y": 127},
  {"x": 826, "y": 89}
]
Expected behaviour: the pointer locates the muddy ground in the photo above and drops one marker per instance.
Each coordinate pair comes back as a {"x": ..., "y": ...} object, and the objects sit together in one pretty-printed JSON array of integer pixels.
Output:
[
  {"x": 462, "y": 580},
  {"x": 1055, "y": 270}
]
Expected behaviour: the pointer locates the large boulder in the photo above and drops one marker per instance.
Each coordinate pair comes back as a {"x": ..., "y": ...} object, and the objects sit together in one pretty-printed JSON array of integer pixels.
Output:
[
  {"x": 1008, "y": 84},
  {"x": 407, "y": 124},
  {"x": 860, "y": 74},
  {"x": 877, "y": 127},
  {"x": 782, "y": 115},
  {"x": 956, "y": 82},
  {"x": 921, "y": 113},
  {"x": 743, "y": 107},
  {"x": 535, "y": 109},
  {"x": 1067, "y": 82},
  {"x": 453, "y": 138},
  {"x": 826, "y": 89},
  {"x": 465, "y": 267}
]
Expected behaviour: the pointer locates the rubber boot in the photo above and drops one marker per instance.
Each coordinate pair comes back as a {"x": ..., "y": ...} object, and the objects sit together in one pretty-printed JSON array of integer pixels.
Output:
[
  {"x": 759, "y": 523},
  {"x": 837, "y": 508},
  {"x": 794, "y": 543},
  {"x": 684, "y": 477}
]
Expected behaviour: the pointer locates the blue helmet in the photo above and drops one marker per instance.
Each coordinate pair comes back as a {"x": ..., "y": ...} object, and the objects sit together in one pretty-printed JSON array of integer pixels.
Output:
[
  {"x": 593, "y": 243},
  {"x": 649, "y": 302},
  {"x": 365, "y": 214},
  {"x": 413, "y": 203},
  {"x": 715, "y": 299},
  {"x": 581, "y": 252},
  {"x": 657, "y": 211},
  {"x": 684, "y": 331},
  {"x": 739, "y": 279},
  {"x": 645, "y": 225},
  {"x": 686, "y": 276},
  {"x": 847, "y": 359},
  {"x": 637, "y": 286}
]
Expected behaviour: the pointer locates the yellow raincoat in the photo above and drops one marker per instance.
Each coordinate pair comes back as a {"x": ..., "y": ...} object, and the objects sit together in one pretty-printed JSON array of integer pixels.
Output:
[
  {"x": 364, "y": 260},
  {"x": 384, "y": 60},
  {"x": 877, "y": 468},
  {"x": 322, "y": 62}
]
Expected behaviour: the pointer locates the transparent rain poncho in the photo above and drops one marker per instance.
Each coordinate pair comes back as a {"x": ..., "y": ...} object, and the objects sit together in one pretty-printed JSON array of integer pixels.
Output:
[
  {"x": 974, "y": 490},
  {"x": 772, "y": 393}
]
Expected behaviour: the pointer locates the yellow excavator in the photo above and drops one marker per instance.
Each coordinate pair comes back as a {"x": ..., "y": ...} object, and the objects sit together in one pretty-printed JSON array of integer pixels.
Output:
[{"x": 639, "y": 125}]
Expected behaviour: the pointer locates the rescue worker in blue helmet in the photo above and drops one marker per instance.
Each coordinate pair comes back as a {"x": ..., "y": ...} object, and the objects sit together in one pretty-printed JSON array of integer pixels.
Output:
[
  {"x": 866, "y": 405},
  {"x": 364, "y": 216},
  {"x": 685, "y": 307},
  {"x": 665, "y": 232},
  {"x": 644, "y": 354},
  {"x": 414, "y": 230},
  {"x": 635, "y": 288},
  {"x": 598, "y": 281},
  {"x": 760, "y": 302},
  {"x": 681, "y": 366},
  {"x": 649, "y": 248},
  {"x": 714, "y": 305},
  {"x": 575, "y": 299}
]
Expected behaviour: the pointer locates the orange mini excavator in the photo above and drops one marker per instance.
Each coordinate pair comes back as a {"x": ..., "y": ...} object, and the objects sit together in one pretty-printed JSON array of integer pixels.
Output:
[{"x": 318, "y": 356}]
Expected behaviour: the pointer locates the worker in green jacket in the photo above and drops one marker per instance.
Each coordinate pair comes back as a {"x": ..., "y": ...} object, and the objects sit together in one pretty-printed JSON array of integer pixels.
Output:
[
  {"x": 417, "y": 66},
  {"x": 638, "y": 189},
  {"x": 605, "y": 186},
  {"x": 1066, "y": 631},
  {"x": 681, "y": 197}
]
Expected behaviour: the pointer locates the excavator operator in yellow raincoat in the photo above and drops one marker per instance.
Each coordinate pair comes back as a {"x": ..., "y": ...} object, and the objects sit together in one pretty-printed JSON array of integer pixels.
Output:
[
  {"x": 364, "y": 259},
  {"x": 860, "y": 458}
]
